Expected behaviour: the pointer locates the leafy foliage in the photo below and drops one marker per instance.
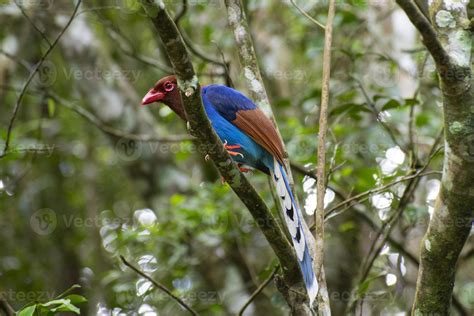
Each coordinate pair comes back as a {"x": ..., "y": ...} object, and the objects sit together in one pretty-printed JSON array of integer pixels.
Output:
[{"x": 73, "y": 197}]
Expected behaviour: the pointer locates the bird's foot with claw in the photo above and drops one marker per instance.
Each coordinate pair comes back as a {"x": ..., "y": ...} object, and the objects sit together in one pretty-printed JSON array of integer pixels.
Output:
[{"x": 230, "y": 150}]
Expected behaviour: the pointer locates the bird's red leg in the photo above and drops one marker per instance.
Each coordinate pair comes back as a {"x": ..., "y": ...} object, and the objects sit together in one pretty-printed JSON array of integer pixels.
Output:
[
  {"x": 229, "y": 147},
  {"x": 242, "y": 169}
]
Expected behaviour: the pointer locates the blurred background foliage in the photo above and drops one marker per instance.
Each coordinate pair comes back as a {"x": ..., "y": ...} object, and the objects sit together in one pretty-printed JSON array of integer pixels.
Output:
[{"x": 76, "y": 192}]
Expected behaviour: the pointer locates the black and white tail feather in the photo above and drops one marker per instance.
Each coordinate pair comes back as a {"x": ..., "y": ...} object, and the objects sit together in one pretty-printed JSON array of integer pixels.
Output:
[{"x": 293, "y": 218}]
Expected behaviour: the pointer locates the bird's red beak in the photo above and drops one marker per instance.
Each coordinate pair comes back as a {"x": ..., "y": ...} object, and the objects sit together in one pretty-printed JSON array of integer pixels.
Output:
[{"x": 152, "y": 96}]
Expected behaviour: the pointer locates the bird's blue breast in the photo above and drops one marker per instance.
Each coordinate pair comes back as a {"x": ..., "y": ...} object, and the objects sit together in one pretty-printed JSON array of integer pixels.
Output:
[{"x": 254, "y": 155}]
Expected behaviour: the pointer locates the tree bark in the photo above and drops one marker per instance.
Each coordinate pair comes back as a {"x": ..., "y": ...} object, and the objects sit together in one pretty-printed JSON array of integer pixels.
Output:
[
  {"x": 448, "y": 39},
  {"x": 210, "y": 144},
  {"x": 248, "y": 60}
]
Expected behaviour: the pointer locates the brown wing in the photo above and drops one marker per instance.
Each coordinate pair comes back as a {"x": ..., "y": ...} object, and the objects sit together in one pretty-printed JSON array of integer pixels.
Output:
[{"x": 259, "y": 127}]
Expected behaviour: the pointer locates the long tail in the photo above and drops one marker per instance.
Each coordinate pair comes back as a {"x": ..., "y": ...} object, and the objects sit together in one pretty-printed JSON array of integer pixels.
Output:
[{"x": 293, "y": 218}]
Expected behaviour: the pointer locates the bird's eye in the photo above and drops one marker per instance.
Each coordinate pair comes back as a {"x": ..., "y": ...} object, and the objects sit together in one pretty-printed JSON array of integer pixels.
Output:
[{"x": 169, "y": 86}]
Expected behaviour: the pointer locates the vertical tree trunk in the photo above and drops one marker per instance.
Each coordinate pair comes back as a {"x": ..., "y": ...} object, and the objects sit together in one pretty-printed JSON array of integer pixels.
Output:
[{"x": 447, "y": 37}]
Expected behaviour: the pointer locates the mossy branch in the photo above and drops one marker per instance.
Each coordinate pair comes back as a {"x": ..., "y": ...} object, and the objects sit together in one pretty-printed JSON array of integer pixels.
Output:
[
  {"x": 211, "y": 145},
  {"x": 449, "y": 41},
  {"x": 248, "y": 60}
]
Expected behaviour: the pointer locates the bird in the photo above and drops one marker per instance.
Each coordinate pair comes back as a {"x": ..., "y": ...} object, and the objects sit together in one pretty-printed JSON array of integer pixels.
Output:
[{"x": 252, "y": 140}]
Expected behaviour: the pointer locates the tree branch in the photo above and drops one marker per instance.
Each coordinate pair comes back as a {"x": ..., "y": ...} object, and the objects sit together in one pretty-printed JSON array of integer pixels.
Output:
[
  {"x": 399, "y": 246},
  {"x": 248, "y": 60},
  {"x": 30, "y": 79},
  {"x": 200, "y": 126},
  {"x": 113, "y": 131},
  {"x": 449, "y": 41},
  {"x": 309, "y": 17},
  {"x": 366, "y": 194},
  {"x": 159, "y": 285},
  {"x": 428, "y": 33},
  {"x": 5, "y": 306},
  {"x": 182, "y": 12},
  {"x": 376, "y": 114},
  {"x": 258, "y": 291},
  {"x": 323, "y": 302},
  {"x": 43, "y": 35},
  {"x": 251, "y": 70}
]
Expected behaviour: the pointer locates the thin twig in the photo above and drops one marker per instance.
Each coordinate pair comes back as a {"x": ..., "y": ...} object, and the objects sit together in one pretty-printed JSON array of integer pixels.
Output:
[
  {"x": 5, "y": 306},
  {"x": 180, "y": 14},
  {"x": 226, "y": 66},
  {"x": 430, "y": 38},
  {"x": 113, "y": 131},
  {"x": 404, "y": 252},
  {"x": 195, "y": 51},
  {"x": 362, "y": 196},
  {"x": 16, "y": 59},
  {"x": 130, "y": 49},
  {"x": 307, "y": 15},
  {"x": 258, "y": 290},
  {"x": 248, "y": 59},
  {"x": 388, "y": 225},
  {"x": 30, "y": 78},
  {"x": 159, "y": 285},
  {"x": 323, "y": 302},
  {"x": 43, "y": 35},
  {"x": 376, "y": 113}
]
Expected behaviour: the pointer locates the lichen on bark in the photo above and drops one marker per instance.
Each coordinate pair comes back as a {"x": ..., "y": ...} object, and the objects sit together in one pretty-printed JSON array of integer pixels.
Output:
[{"x": 449, "y": 42}]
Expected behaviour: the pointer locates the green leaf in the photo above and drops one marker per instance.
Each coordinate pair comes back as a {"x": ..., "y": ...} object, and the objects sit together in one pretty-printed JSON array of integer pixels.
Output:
[
  {"x": 51, "y": 107},
  {"x": 347, "y": 226},
  {"x": 54, "y": 302},
  {"x": 411, "y": 102},
  {"x": 177, "y": 199},
  {"x": 394, "y": 103},
  {"x": 379, "y": 97},
  {"x": 66, "y": 307},
  {"x": 422, "y": 120},
  {"x": 391, "y": 104},
  {"x": 353, "y": 108},
  {"x": 284, "y": 103},
  {"x": 27, "y": 311},
  {"x": 362, "y": 289},
  {"x": 75, "y": 286},
  {"x": 76, "y": 299}
]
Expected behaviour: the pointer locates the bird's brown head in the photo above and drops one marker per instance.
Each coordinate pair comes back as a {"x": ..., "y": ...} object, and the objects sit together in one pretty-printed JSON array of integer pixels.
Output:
[{"x": 166, "y": 91}]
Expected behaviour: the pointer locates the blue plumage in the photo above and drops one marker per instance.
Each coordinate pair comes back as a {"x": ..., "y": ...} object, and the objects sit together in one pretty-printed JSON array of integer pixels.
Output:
[
  {"x": 251, "y": 138},
  {"x": 226, "y": 101},
  {"x": 222, "y": 105},
  {"x": 220, "y": 116}
]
